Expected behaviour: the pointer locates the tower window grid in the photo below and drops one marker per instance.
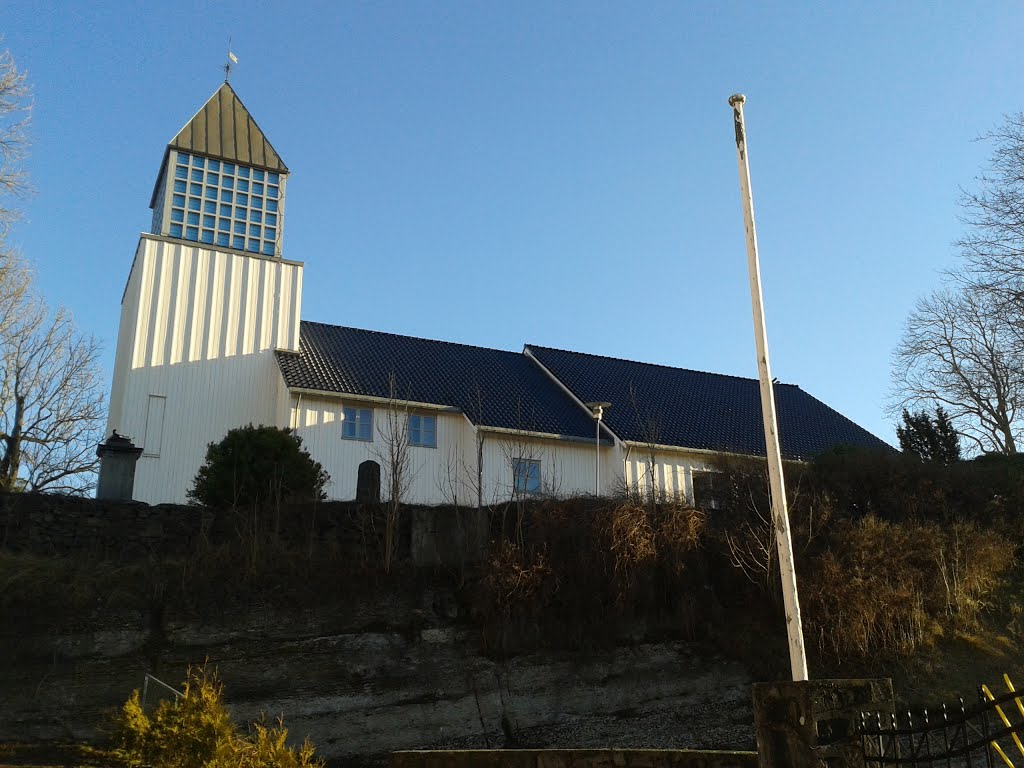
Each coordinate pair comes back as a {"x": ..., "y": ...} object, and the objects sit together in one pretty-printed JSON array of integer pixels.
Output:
[{"x": 226, "y": 204}]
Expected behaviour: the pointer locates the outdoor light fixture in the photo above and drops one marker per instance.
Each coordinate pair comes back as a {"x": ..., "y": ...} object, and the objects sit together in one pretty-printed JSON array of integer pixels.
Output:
[{"x": 598, "y": 409}]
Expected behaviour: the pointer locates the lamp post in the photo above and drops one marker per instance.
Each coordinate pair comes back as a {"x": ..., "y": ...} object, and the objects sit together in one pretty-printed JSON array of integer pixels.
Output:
[{"x": 598, "y": 409}]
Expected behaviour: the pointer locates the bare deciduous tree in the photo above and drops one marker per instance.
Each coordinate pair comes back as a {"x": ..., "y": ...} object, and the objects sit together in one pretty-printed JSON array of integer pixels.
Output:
[
  {"x": 51, "y": 401},
  {"x": 394, "y": 455},
  {"x": 14, "y": 115},
  {"x": 960, "y": 350}
]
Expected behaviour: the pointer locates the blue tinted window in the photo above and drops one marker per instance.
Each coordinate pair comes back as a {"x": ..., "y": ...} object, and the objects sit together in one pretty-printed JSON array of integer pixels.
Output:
[
  {"x": 178, "y": 200},
  {"x": 181, "y": 173},
  {"x": 182, "y": 158},
  {"x": 254, "y": 230},
  {"x": 225, "y": 210},
  {"x": 211, "y": 193},
  {"x": 239, "y": 228},
  {"x": 268, "y": 248},
  {"x": 209, "y": 221},
  {"x": 225, "y": 196},
  {"x": 255, "y": 216},
  {"x": 241, "y": 199},
  {"x": 222, "y": 238},
  {"x": 210, "y": 206},
  {"x": 240, "y": 213},
  {"x": 243, "y": 185},
  {"x": 269, "y": 234},
  {"x": 257, "y": 202},
  {"x": 243, "y": 172},
  {"x": 271, "y": 205},
  {"x": 212, "y": 178},
  {"x": 198, "y": 162},
  {"x": 254, "y": 246},
  {"x": 224, "y": 225},
  {"x": 214, "y": 165},
  {"x": 197, "y": 175},
  {"x": 358, "y": 424},
  {"x": 175, "y": 230},
  {"x": 177, "y": 214},
  {"x": 273, "y": 178},
  {"x": 179, "y": 186},
  {"x": 272, "y": 192},
  {"x": 207, "y": 235},
  {"x": 238, "y": 242},
  {"x": 193, "y": 203},
  {"x": 257, "y": 189},
  {"x": 195, "y": 189},
  {"x": 227, "y": 182},
  {"x": 270, "y": 220},
  {"x": 423, "y": 430},
  {"x": 193, "y": 218},
  {"x": 257, "y": 174},
  {"x": 191, "y": 233},
  {"x": 526, "y": 475},
  {"x": 229, "y": 168}
]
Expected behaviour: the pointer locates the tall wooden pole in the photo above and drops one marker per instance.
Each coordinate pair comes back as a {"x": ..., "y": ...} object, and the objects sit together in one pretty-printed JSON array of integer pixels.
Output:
[{"x": 780, "y": 515}]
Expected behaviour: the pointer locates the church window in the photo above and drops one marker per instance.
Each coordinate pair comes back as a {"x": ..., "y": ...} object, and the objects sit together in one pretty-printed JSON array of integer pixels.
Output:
[
  {"x": 197, "y": 175},
  {"x": 210, "y": 206},
  {"x": 226, "y": 197},
  {"x": 358, "y": 424},
  {"x": 526, "y": 475},
  {"x": 224, "y": 225},
  {"x": 175, "y": 230},
  {"x": 209, "y": 221},
  {"x": 214, "y": 165},
  {"x": 229, "y": 168},
  {"x": 239, "y": 227},
  {"x": 254, "y": 246},
  {"x": 211, "y": 193},
  {"x": 196, "y": 189},
  {"x": 254, "y": 230},
  {"x": 243, "y": 172},
  {"x": 242, "y": 199},
  {"x": 238, "y": 243},
  {"x": 271, "y": 205},
  {"x": 193, "y": 218},
  {"x": 257, "y": 174},
  {"x": 180, "y": 173},
  {"x": 178, "y": 200},
  {"x": 191, "y": 233},
  {"x": 255, "y": 216},
  {"x": 243, "y": 185},
  {"x": 199, "y": 162},
  {"x": 225, "y": 211},
  {"x": 222, "y": 238},
  {"x": 274, "y": 178},
  {"x": 268, "y": 248},
  {"x": 182, "y": 158},
  {"x": 272, "y": 192},
  {"x": 228, "y": 183},
  {"x": 423, "y": 430},
  {"x": 207, "y": 235},
  {"x": 154, "y": 434},
  {"x": 179, "y": 186},
  {"x": 177, "y": 214},
  {"x": 194, "y": 203},
  {"x": 213, "y": 178},
  {"x": 256, "y": 202},
  {"x": 271, "y": 220},
  {"x": 269, "y": 234},
  {"x": 257, "y": 189}
]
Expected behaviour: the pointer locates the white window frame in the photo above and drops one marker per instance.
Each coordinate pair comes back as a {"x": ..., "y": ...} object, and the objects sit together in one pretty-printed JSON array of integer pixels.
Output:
[
  {"x": 518, "y": 474},
  {"x": 354, "y": 414},
  {"x": 420, "y": 417}
]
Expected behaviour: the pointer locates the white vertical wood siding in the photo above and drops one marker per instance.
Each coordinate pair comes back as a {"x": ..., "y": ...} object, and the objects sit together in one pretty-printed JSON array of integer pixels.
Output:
[
  {"x": 199, "y": 328},
  {"x": 670, "y": 472},
  {"x": 447, "y": 473}
]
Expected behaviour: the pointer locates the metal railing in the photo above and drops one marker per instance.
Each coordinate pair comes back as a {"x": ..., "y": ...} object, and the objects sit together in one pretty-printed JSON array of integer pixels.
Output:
[
  {"x": 161, "y": 686},
  {"x": 983, "y": 735}
]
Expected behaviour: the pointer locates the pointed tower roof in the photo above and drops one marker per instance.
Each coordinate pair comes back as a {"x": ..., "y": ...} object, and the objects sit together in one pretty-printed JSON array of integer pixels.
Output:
[{"x": 223, "y": 128}]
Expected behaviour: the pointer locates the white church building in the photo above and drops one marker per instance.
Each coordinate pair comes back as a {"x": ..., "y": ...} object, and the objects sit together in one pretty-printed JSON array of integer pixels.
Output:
[{"x": 211, "y": 338}]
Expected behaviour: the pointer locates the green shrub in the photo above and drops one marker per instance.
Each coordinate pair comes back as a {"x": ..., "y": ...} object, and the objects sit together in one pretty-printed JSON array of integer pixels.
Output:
[
  {"x": 258, "y": 466},
  {"x": 196, "y": 731}
]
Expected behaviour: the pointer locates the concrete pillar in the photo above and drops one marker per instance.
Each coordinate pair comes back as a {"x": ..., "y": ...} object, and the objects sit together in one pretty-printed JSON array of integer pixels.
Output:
[
  {"x": 117, "y": 468},
  {"x": 814, "y": 723}
]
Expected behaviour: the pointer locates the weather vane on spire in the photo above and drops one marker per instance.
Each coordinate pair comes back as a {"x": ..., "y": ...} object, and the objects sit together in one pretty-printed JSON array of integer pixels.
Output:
[{"x": 232, "y": 59}]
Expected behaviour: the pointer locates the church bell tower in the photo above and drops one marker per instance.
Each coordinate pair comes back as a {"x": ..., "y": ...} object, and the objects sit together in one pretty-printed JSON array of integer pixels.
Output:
[{"x": 209, "y": 298}]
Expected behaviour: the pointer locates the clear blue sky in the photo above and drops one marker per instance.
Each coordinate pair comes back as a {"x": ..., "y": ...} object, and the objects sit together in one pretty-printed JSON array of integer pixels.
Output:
[{"x": 554, "y": 173}]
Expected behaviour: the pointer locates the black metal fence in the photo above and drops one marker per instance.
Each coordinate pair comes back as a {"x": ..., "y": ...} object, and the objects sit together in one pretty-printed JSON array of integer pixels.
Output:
[{"x": 983, "y": 735}]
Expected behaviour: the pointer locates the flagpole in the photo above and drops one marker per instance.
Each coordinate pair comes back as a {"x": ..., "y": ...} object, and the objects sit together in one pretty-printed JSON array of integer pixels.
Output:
[{"x": 780, "y": 514}]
